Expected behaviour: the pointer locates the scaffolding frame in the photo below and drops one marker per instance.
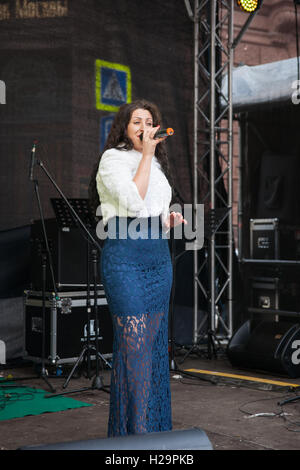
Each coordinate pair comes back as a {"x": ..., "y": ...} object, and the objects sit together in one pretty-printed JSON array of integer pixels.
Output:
[
  {"x": 212, "y": 140},
  {"x": 212, "y": 144}
]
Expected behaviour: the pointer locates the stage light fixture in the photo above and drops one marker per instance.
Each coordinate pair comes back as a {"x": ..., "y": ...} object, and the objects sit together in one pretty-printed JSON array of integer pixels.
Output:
[{"x": 249, "y": 6}]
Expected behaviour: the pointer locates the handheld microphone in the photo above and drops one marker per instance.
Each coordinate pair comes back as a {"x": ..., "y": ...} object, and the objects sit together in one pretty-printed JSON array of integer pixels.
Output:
[
  {"x": 32, "y": 161},
  {"x": 161, "y": 133}
]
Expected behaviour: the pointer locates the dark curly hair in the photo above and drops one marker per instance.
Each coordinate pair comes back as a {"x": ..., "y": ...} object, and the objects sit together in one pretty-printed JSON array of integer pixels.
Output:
[{"x": 118, "y": 135}]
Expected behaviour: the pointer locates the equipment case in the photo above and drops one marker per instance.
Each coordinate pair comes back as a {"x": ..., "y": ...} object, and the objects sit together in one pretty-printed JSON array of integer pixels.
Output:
[
  {"x": 65, "y": 325},
  {"x": 264, "y": 239},
  {"x": 265, "y": 293}
]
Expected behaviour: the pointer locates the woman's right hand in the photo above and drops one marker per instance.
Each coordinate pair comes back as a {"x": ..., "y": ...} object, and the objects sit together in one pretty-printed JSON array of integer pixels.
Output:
[{"x": 149, "y": 143}]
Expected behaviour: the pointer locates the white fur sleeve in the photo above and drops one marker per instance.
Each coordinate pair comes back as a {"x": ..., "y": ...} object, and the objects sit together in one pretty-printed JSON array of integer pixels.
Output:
[{"x": 115, "y": 174}]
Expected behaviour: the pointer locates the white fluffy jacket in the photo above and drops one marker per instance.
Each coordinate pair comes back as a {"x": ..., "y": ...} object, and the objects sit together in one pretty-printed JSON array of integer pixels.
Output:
[{"x": 118, "y": 192}]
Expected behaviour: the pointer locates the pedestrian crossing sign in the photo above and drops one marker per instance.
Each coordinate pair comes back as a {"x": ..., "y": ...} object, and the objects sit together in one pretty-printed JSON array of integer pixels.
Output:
[{"x": 113, "y": 85}]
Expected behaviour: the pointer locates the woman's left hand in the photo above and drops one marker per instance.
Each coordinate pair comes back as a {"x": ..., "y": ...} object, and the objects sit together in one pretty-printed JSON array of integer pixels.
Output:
[{"x": 175, "y": 218}]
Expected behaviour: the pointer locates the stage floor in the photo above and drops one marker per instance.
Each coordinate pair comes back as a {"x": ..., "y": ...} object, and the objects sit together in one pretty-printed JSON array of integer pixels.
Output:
[{"x": 237, "y": 409}]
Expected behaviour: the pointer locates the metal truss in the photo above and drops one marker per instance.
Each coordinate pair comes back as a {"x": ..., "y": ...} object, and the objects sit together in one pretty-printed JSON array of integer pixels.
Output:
[{"x": 213, "y": 152}]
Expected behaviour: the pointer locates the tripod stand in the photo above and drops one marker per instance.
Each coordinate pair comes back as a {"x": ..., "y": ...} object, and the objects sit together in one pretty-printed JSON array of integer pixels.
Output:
[
  {"x": 65, "y": 218},
  {"x": 88, "y": 347},
  {"x": 172, "y": 363},
  {"x": 98, "y": 381},
  {"x": 212, "y": 222},
  {"x": 45, "y": 256}
]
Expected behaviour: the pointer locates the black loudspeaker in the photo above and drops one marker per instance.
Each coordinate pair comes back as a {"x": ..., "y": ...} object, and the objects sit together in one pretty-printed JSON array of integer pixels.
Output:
[
  {"x": 279, "y": 190},
  {"x": 188, "y": 439},
  {"x": 15, "y": 261},
  {"x": 68, "y": 247},
  {"x": 267, "y": 345}
]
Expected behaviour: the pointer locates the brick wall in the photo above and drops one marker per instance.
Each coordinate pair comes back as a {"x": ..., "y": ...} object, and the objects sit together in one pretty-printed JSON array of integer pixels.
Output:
[{"x": 270, "y": 37}]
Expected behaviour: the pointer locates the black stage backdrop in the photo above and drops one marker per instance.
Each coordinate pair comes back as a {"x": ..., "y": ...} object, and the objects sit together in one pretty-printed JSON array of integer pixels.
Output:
[
  {"x": 51, "y": 59},
  {"x": 67, "y": 66}
]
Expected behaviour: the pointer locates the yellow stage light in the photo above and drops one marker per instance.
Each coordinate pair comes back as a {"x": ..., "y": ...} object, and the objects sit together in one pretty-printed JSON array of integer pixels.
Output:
[{"x": 249, "y": 5}]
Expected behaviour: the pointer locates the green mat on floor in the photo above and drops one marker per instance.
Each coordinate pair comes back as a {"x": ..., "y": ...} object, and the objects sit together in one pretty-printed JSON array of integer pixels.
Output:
[{"x": 18, "y": 401}]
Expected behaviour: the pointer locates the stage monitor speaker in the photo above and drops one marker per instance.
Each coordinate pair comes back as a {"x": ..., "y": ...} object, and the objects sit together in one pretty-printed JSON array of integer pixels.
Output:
[
  {"x": 68, "y": 247},
  {"x": 187, "y": 439},
  {"x": 268, "y": 346}
]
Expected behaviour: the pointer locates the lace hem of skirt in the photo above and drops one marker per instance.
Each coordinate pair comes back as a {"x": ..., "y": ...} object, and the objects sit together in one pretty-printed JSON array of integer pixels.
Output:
[{"x": 140, "y": 393}]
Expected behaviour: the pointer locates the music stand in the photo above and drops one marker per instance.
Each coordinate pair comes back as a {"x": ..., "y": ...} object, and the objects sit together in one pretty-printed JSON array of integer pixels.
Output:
[
  {"x": 96, "y": 248},
  {"x": 174, "y": 258},
  {"x": 66, "y": 220},
  {"x": 212, "y": 221}
]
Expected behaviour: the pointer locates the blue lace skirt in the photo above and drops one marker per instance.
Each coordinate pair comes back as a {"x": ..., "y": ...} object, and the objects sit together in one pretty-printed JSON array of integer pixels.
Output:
[{"x": 137, "y": 278}]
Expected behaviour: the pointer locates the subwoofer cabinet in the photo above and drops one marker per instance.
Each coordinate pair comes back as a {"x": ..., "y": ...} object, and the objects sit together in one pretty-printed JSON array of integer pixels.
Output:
[{"x": 66, "y": 325}]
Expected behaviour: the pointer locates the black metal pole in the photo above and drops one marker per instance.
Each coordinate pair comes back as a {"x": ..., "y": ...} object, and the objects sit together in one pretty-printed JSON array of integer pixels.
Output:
[
  {"x": 98, "y": 381},
  {"x": 173, "y": 365},
  {"x": 44, "y": 266}
]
